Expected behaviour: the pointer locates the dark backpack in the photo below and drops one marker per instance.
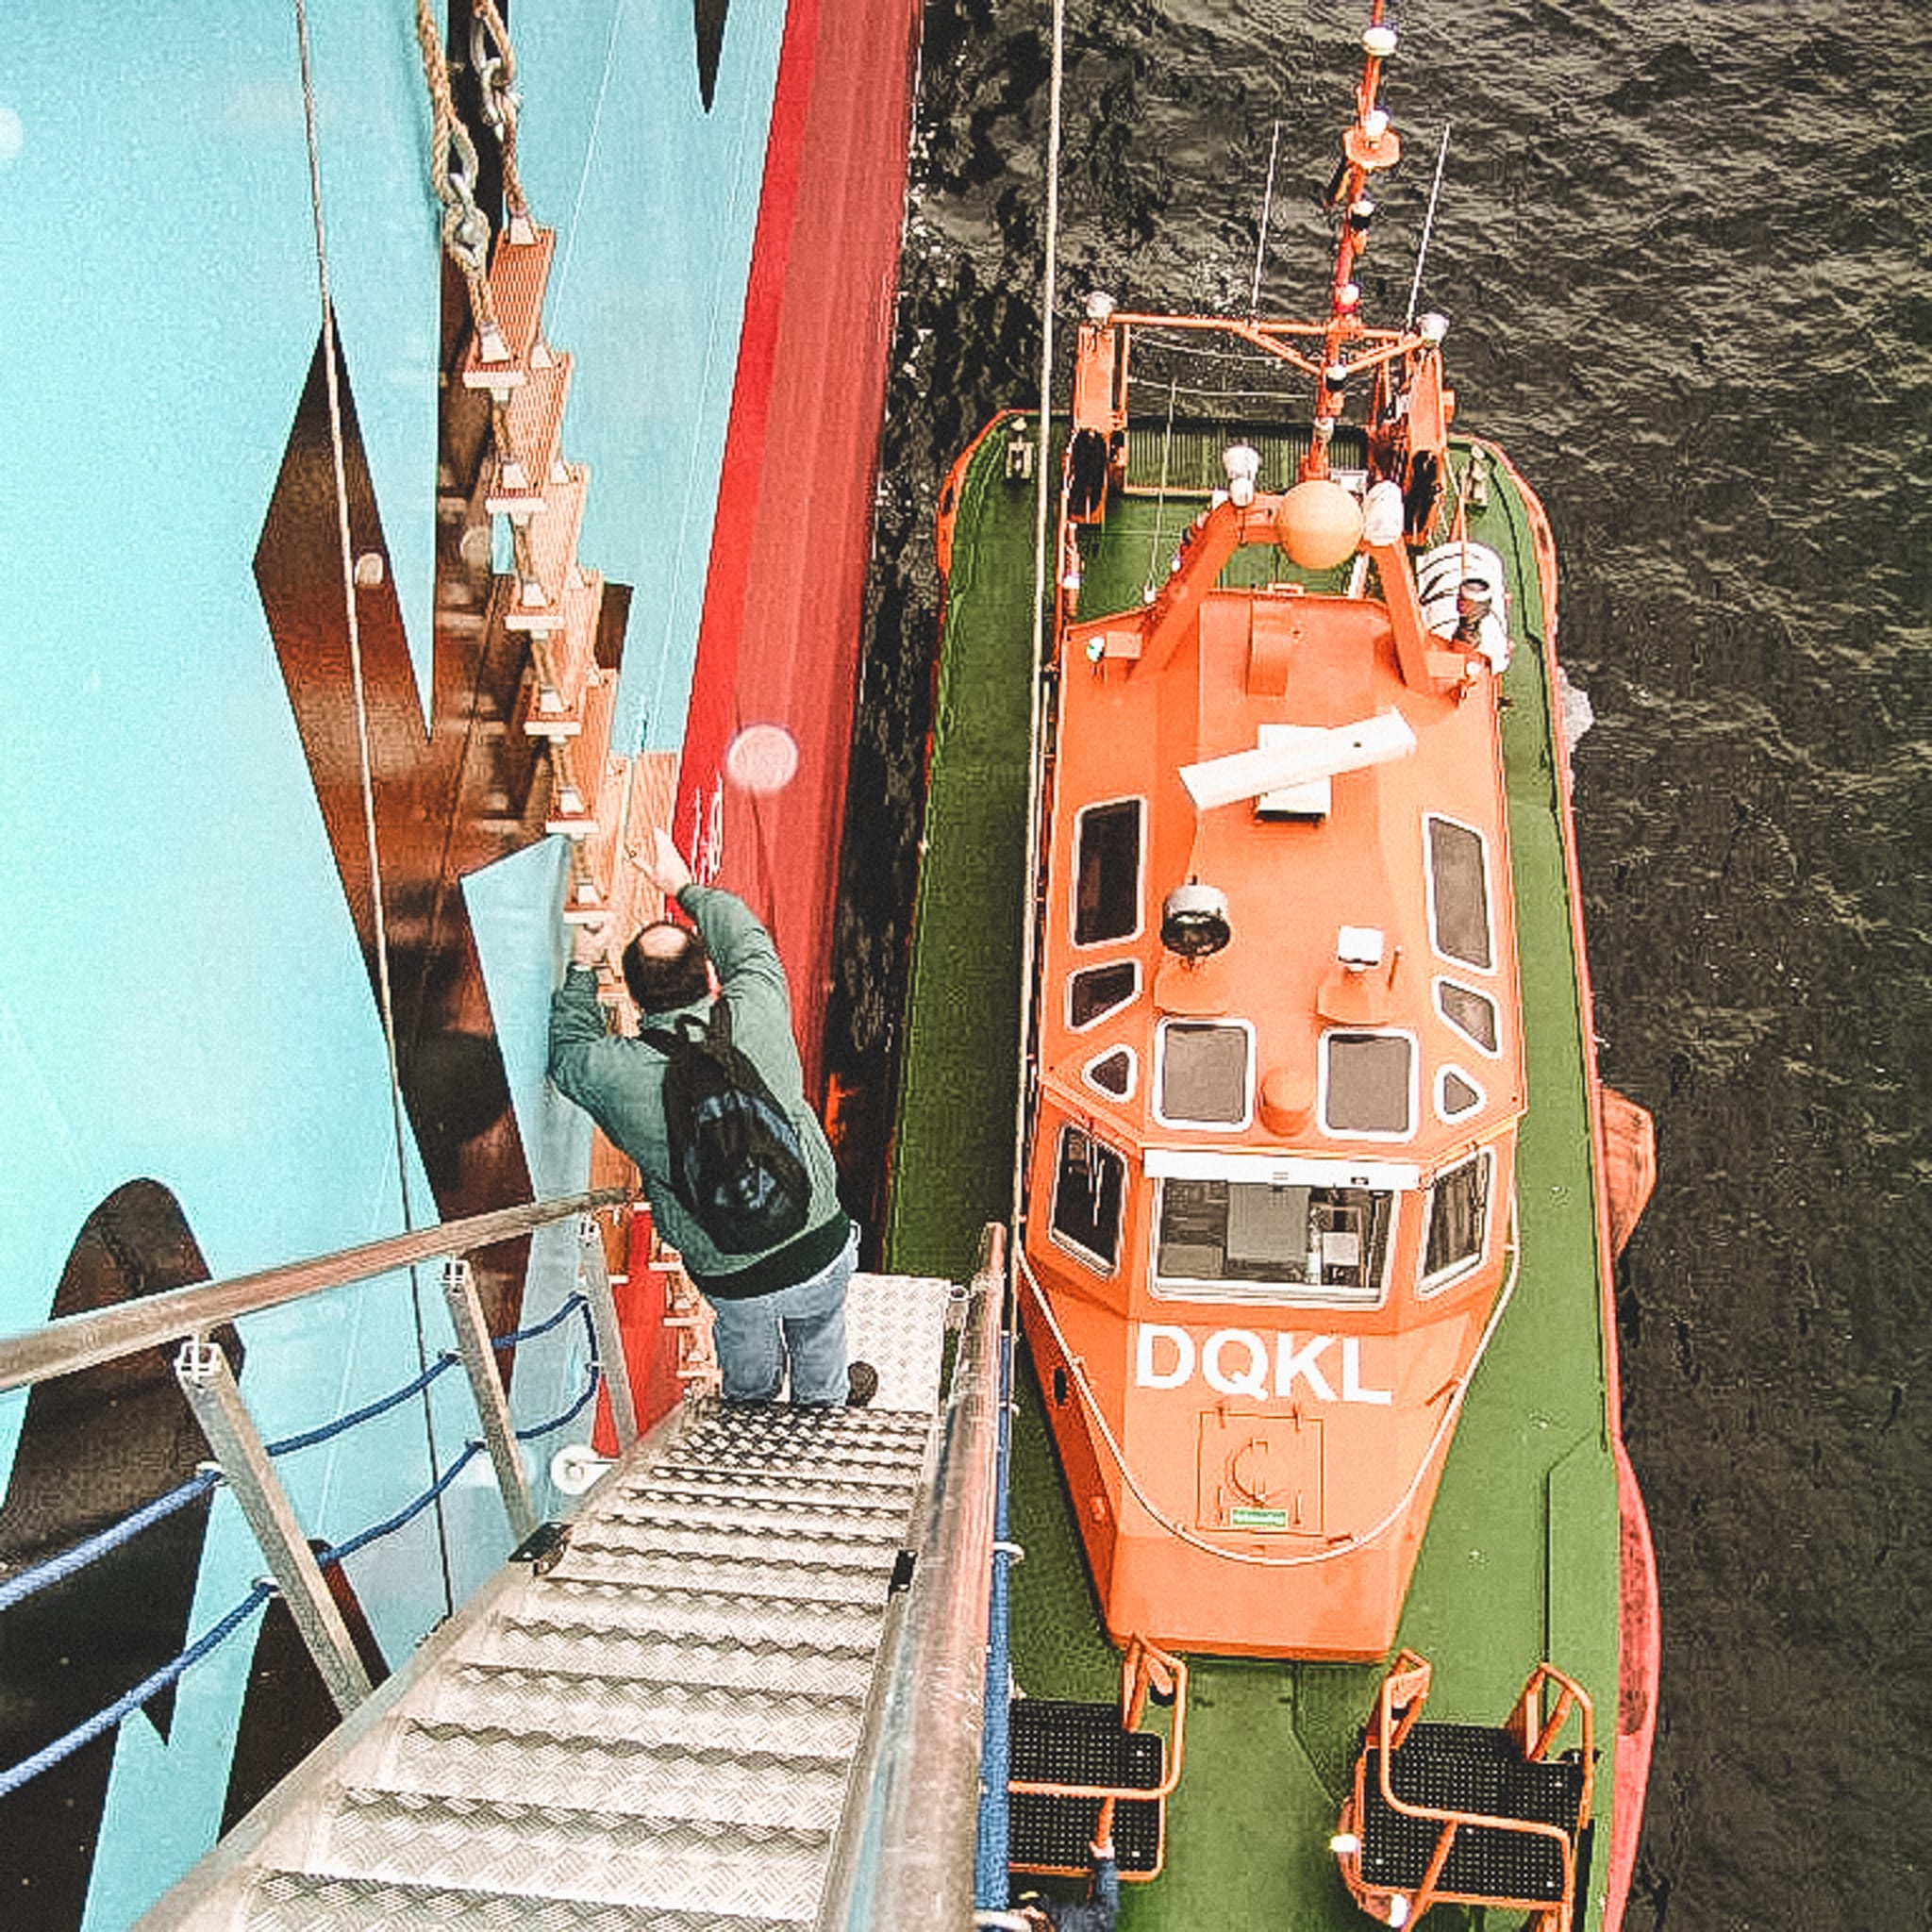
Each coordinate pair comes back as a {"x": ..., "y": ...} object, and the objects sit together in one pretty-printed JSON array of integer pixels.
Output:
[{"x": 735, "y": 1161}]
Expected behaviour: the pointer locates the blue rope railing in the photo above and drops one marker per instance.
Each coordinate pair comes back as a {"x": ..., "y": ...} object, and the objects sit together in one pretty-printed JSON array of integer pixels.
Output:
[
  {"x": 104, "y": 1721},
  {"x": 337, "y": 1553},
  {"x": 472, "y": 1449},
  {"x": 591, "y": 1383},
  {"x": 990, "y": 1866},
  {"x": 71, "y": 1561},
  {"x": 381, "y": 1406},
  {"x": 569, "y": 1306},
  {"x": 56, "y": 1568}
]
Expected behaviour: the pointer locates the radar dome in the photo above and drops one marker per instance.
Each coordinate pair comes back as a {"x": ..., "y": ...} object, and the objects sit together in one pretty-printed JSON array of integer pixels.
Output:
[
  {"x": 1319, "y": 523},
  {"x": 1193, "y": 921}
]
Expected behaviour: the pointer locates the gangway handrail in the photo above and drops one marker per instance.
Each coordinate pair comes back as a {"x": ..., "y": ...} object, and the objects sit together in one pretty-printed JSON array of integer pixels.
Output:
[
  {"x": 85, "y": 1341},
  {"x": 244, "y": 1461},
  {"x": 904, "y": 1855}
]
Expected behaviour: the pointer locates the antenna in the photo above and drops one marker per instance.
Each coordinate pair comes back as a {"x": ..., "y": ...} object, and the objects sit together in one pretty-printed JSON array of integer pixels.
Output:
[
  {"x": 1261, "y": 239},
  {"x": 1415, "y": 288}
]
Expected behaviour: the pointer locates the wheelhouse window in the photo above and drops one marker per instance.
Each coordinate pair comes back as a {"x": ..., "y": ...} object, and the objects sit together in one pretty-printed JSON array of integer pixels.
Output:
[
  {"x": 1095, "y": 992},
  {"x": 1226, "y": 1238},
  {"x": 1472, "y": 1014},
  {"x": 1112, "y": 1073},
  {"x": 1459, "y": 894},
  {"x": 1106, "y": 872},
  {"x": 1088, "y": 1185},
  {"x": 1458, "y": 1221},
  {"x": 1367, "y": 1084},
  {"x": 1456, "y": 1094},
  {"x": 1204, "y": 1074}
]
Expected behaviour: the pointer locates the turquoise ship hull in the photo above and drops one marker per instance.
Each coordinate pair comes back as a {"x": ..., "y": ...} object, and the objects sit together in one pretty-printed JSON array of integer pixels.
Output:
[{"x": 191, "y": 1041}]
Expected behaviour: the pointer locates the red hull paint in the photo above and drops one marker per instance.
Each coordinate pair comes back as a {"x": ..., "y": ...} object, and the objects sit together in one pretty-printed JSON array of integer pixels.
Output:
[
  {"x": 1638, "y": 1667},
  {"x": 650, "y": 1347},
  {"x": 778, "y": 644}
]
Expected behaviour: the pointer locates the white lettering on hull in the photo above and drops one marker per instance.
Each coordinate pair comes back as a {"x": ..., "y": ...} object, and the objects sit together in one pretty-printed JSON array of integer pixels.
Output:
[{"x": 1236, "y": 1362}]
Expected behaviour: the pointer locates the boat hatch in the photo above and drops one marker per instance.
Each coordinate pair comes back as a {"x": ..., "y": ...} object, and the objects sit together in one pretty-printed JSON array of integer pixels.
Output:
[
  {"x": 1205, "y": 1077},
  {"x": 1260, "y": 1472},
  {"x": 1367, "y": 1084}
]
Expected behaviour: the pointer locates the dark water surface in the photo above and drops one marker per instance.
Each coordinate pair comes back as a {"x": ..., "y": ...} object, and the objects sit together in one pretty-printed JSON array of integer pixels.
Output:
[{"x": 1685, "y": 249}]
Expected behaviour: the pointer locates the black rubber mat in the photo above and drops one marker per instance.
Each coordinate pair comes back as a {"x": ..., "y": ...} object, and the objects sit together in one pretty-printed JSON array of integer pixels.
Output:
[
  {"x": 1082, "y": 1745},
  {"x": 1463, "y": 1768}
]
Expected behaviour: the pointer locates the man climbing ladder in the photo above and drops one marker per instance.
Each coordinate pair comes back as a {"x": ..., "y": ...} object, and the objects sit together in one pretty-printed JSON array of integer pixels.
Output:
[{"x": 732, "y": 1158}]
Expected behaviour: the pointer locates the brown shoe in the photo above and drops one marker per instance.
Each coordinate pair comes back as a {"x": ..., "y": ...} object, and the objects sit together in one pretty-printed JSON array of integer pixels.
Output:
[{"x": 861, "y": 1383}]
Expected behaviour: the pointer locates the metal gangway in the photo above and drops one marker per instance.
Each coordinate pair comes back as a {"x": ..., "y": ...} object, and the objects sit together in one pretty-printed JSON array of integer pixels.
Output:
[{"x": 741, "y": 1685}]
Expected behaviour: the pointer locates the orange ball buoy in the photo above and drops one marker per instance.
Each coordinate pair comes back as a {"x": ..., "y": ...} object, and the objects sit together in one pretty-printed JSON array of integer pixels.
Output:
[{"x": 1319, "y": 523}]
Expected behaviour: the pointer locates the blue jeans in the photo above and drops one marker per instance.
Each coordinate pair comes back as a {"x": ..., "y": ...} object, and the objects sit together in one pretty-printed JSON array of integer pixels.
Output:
[{"x": 804, "y": 1323}]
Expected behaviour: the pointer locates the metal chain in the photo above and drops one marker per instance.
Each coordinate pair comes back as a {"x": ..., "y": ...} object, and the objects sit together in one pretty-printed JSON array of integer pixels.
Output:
[
  {"x": 495, "y": 64},
  {"x": 465, "y": 226}
]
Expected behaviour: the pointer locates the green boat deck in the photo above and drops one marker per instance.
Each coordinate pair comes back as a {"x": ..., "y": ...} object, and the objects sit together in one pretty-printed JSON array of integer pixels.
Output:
[{"x": 1521, "y": 1558}]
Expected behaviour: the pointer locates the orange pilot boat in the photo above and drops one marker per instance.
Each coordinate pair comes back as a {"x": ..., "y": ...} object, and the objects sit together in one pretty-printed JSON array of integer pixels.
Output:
[
  {"x": 1320, "y": 1192},
  {"x": 1280, "y": 1044},
  {"x": 1280, "y": 1075}
]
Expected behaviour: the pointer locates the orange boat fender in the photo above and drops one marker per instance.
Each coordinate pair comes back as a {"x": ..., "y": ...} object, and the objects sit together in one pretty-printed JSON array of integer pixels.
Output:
[{"x": 1629, "y": 1162}]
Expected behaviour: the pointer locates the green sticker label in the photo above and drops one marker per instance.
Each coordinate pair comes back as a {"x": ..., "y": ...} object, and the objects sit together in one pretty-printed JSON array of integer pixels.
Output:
[{"x": 1258, "y": 1519}]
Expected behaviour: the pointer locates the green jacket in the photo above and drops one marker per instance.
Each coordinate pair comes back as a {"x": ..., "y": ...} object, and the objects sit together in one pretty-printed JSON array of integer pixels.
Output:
[{"x": 619, "y": 1082}]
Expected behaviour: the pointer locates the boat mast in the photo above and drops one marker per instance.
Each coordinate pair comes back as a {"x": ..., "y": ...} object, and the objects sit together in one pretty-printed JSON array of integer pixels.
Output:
[{"x": 1369, "y": 147}]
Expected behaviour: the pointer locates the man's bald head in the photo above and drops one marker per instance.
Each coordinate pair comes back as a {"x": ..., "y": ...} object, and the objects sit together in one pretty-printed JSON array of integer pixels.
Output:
[{"x": 666, "y": 966}]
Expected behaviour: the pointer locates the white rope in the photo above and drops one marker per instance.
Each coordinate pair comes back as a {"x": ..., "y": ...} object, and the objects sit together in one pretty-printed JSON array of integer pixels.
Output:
[
  {"x": 385, "y": 997},
  {"x": 1232, "y": 395},
  {"x": 1036, "y": 748},
  {"x": 566, "y": 256},
  {"x": 1151, "y": 338},
  {"x": 1436, "y": 1442},
  {"x": 350, "y": 614},
  {"x": 1421, "y": 252},
  {"x": 1160, "y": 502}
]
